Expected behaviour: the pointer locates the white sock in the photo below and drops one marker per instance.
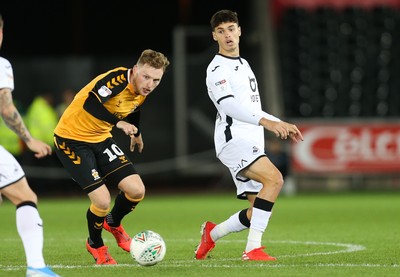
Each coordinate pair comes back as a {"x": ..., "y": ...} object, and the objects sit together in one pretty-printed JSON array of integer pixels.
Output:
[
  {"x": 30, "y": 229},
  {"x": 231, "y": 225},
  {"x": 258, "y": 224}
]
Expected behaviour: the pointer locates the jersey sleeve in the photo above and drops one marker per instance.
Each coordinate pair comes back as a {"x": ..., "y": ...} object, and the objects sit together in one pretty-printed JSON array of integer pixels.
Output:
[
  {"x": 6, "y": 74},
  {"x": 93, "y": 106},
  {"x": 269, "y": 116},
  {"x": 232, "y": 108},
  {"x": 110, "y": 84},
  {"x": 134, "y": 118},
  {"x": 218, "y": 82}
]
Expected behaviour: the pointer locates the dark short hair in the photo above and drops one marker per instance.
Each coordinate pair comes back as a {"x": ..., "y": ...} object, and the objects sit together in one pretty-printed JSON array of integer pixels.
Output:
[{"x": 223, "y": 16}]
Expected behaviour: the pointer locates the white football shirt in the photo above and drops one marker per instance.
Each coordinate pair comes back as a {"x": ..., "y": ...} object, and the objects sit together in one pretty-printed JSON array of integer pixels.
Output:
[{"x": 232, "y": 77}]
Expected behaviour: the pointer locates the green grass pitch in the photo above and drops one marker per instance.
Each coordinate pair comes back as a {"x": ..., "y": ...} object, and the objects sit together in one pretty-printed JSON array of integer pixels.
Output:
[{"x": 354, "y": 234}]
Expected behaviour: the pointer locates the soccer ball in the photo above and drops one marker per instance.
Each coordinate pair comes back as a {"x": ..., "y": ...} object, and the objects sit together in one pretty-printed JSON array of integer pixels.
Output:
[{"x": 148, "y": 248}]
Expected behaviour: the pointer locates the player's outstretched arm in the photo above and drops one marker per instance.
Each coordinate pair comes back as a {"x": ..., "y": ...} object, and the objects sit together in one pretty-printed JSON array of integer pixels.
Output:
[{"x": 13, "y": 120}]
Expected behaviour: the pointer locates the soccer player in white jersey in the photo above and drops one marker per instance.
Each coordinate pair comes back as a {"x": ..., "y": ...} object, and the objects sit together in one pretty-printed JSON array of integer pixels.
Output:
[
  {"x": 13, "y": 183},
  {"x": 239, "y": 141}
]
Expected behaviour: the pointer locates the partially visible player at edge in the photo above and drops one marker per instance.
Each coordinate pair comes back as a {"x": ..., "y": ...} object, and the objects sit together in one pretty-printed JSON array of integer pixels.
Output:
[
  {"x": 239, "y": 141},
  {"x": 86, "y": 149},
  {"x": 13, "y": 183}
]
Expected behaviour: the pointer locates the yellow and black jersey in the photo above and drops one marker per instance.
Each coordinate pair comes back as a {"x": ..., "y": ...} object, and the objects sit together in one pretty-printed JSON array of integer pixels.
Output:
[{"x": 114, "y": 92}]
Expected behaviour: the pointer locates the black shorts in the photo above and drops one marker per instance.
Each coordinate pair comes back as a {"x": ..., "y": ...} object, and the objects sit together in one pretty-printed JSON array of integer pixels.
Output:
[{"x": 93, "y": 164}]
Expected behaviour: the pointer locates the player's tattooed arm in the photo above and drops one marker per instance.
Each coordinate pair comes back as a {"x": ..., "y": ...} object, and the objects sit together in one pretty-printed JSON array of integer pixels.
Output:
[{"x": 11, "y": 116}]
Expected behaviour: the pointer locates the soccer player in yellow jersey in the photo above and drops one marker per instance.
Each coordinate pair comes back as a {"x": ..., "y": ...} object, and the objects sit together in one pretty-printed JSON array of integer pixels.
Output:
[{"x": 85, "y": 146}]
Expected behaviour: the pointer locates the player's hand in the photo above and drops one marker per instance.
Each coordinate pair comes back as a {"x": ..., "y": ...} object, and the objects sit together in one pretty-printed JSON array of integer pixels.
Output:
[
  {"x": 296, "y": 136},
  {"x": 286, "y": 130},
  {"x": 282, "y": 129},
  {"x": 137, "y": 141},
  {"x": 40, "y": 148},
  {"x": 127, "y": 128}
]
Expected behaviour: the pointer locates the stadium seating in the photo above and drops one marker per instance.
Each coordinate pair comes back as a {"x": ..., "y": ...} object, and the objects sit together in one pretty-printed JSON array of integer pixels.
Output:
[{"x": 340, "y": 63}]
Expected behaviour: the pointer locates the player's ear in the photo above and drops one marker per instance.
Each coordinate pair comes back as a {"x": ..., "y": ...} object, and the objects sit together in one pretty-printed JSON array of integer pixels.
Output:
[
  {"x": 135, "y": 68},
  {"x": 214, "y": 36}
]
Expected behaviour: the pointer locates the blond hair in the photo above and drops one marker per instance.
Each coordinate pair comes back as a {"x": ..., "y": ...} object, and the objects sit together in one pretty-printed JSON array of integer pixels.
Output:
[{"x": 154, "y": 59}]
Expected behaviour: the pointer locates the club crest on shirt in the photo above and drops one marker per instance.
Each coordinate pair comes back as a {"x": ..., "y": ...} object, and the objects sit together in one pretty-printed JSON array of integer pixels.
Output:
[
  {"x": 221, "y": 85},
  {"x": 95, "y": 174},
  {"x": 255, "y": 150},
  {"x": 104, "y": 91}
]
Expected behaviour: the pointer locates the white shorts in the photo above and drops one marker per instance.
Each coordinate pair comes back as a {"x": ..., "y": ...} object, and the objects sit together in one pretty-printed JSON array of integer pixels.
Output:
[
  {"x": 237, "y": 155},
  {"x": 10, "y": 169}
]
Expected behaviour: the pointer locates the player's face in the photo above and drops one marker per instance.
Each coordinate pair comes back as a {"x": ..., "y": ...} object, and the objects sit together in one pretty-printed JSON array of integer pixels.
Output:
[
  {"x": 145, "y": 78},
  {"x": 228, "y": 36}
]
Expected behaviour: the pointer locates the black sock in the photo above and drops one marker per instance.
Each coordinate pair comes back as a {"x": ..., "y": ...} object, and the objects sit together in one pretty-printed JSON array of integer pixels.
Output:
[
  {"x": 122, "y": 207},
  {"x": 263, "y": 204},
  {"x": 243, "y": 218},
  {"x": 95, "y": 226}
]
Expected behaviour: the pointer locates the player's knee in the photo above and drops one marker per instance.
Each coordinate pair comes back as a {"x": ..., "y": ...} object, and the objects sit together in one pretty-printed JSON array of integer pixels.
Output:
[
  {"x": 136, "y": 194},
  {"x": 102, "y": 203},
  {"x": 135, "y": 190},
  {"x": 133, "y": 187},
  {"x": 99, "y": 210}
]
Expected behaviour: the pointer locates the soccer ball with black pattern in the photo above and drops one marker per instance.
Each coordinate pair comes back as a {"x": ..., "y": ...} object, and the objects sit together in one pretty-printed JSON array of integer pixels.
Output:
[{"x": 147, "y": 248}]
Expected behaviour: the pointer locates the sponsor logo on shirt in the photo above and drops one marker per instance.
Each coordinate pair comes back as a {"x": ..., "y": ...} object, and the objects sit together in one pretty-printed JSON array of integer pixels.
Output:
[{"x": 104, "y": 91}]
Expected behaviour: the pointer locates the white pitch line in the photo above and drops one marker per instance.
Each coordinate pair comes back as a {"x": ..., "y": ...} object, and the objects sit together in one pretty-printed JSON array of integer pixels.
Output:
[
  {"x": 189, "y": 263},
  {"x": 184, "y": 264},
  {"x": 347, "y": 248}
]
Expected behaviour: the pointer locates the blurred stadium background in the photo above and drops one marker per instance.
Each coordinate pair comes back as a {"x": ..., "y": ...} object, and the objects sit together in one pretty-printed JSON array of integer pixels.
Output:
[{"x": 330, "y": 66}]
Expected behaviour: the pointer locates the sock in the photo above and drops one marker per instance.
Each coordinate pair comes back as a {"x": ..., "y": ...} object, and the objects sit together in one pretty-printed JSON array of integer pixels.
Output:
[
  {"x": 232, "y": 224},
  {"x": 95, "y": 218},
  {"x": 258, "y": 223},
  {"x": 122, "y": 206},
  {"x": 30, "y": 229}
]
